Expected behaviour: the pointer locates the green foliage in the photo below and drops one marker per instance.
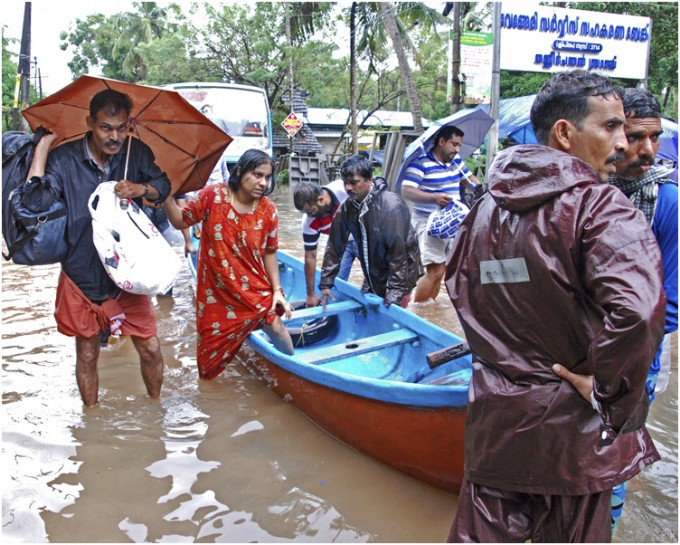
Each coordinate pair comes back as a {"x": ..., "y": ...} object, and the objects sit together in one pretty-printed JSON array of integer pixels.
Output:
[
  {"x": 114, "y": 44},
  {"x": 11, "y": 117},
  {"x": 168, "y": 60},
  {"x": 92, "y": 40},
  {"x": 245, "y": 43},
  {"x": 282, "y": 177},
  {"x": 149, "y": 23},
  {"x": 9, "y": 74},
  {"x": 519, "y": 84}
]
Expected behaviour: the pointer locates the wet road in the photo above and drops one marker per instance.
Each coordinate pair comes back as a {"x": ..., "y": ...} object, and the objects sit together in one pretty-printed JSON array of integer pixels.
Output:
[{"x": 221, "y": 461}]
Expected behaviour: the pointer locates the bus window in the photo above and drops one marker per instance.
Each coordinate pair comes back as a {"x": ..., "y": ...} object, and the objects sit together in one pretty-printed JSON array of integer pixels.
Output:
[{"x": 239, "y": 110}]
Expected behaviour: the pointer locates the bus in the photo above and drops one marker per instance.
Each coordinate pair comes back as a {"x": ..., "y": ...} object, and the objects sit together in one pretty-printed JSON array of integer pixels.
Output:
[{"x": 242, "y": 111}]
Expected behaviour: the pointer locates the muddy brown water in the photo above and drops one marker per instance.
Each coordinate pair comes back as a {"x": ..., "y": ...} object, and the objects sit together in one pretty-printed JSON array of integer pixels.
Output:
[{"x": 226, "y": 460}]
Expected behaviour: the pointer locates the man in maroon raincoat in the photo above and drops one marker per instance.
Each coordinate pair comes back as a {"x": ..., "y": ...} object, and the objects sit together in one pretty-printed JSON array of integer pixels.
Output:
[{"x": 558, "y": 283}]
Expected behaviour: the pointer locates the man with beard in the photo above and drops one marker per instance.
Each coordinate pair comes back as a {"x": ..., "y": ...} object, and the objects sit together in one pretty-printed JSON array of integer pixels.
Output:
[
  {"x": 380, "y": 223},
  {"x": 88, "y": 302},
  {"x": 319, "y": 205},
  {"x": 650, "y": 189},
  {"x": 557, "y": 280}
]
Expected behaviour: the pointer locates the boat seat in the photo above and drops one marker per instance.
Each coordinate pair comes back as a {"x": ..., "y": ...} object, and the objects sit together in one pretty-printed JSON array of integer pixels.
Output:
[
  {"x": 358, "y": 346},
  {"x": 331, "y": 309},
  {"x": 457, "y": 378}
]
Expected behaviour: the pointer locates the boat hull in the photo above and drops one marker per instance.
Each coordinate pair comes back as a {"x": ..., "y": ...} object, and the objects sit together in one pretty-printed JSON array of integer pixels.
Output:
[
  {"x": 423, "y": 442},
  {"x": 368, "y": 383}
]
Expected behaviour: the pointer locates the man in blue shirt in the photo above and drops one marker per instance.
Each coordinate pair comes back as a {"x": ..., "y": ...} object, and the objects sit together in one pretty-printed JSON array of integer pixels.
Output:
[
  {"x": 651, "y": 190},
  {"x": 432, "y": 181}
]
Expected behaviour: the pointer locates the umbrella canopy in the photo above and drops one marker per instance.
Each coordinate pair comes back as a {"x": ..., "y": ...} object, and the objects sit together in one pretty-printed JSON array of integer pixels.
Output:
[
  {"x": 474, "y": 122},
  {"x": 187, "y": 145}
]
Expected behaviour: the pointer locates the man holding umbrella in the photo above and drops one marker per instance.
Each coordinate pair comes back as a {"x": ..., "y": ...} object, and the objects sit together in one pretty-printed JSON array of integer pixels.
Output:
[
  {"x": 88, "y": 301},
  {"x": 432, "y": 181}
]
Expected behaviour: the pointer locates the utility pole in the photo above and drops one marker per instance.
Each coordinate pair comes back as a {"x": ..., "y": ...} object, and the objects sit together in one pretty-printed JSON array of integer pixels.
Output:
[
  {"x": 352, "y": 78},
  {"x": 289, "y": 39},
  {"x": 492, "y": 142},
  {"x": 23, "y": 83}
]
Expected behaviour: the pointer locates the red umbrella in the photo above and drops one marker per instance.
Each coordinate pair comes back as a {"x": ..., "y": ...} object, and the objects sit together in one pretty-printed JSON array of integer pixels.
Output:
[{"x": 187, "y": 145}]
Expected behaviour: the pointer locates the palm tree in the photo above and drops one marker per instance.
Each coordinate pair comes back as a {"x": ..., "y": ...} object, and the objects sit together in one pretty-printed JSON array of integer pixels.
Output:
[
  {"x": 380, "y": 22},
  {"x": 135, "y": 28},
  {"x": 406, "y": 73}
]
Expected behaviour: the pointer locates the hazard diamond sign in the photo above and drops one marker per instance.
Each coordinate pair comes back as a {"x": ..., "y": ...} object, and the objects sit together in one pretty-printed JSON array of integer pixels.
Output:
[{"x": 292, "y": 124}]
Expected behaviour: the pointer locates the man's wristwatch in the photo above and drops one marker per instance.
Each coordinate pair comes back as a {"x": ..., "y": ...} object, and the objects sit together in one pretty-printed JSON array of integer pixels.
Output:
[{"x": 146, "y": 190}]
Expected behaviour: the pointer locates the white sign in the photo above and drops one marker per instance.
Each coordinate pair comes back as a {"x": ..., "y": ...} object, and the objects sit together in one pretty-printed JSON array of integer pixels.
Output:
[
  {"x": 547, "y": 39},
  {"x": 476, "y": 64}
]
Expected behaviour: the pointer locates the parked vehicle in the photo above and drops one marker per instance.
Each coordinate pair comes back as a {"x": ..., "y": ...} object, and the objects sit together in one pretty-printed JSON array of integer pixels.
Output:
[{"x": 242, "y": 111}]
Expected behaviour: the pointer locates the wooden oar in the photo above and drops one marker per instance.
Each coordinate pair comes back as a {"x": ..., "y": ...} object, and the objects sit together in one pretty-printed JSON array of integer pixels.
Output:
[{"x": 439, "y": 357}]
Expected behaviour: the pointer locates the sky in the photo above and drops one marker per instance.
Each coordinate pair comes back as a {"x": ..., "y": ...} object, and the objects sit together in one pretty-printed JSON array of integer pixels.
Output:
[{"x": 48, "y": 19}]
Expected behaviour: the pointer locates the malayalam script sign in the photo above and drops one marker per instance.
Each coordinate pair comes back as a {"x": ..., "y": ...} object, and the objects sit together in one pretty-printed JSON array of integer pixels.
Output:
[
  {"x": 476, "y": 65},
  {"x": 547, "y": 39},
  {"x": 292, "y": 124}
]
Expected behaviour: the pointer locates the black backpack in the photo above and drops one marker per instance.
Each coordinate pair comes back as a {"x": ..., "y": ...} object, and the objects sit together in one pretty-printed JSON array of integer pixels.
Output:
[{"x": 32, "y": 238}]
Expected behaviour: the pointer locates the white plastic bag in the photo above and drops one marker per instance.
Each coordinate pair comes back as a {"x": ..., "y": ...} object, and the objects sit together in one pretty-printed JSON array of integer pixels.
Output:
[
  {"x": 444, "y": 222},
  {"x": 135, "y": 255}
]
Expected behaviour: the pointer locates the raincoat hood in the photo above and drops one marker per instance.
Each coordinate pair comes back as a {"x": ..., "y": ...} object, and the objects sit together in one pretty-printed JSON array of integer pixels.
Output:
[{"x": 525, "y": 176}]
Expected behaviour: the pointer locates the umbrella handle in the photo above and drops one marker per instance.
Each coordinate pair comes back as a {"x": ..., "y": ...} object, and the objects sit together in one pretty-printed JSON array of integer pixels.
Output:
[
  {"x": 460, "y": 169},
  {"x": 127, "y": 156}
]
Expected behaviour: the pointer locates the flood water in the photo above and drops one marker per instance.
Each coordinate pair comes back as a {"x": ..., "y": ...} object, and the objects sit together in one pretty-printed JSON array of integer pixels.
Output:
[{"x": 226, "y": 460}]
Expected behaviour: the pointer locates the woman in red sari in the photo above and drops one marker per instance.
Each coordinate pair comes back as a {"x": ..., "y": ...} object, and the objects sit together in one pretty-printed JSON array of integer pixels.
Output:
[{"x": 238, "y": 274}]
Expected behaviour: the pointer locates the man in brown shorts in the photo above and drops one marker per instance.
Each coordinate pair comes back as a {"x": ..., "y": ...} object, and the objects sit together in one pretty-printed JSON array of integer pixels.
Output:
[{"x": 88, "y": 301}]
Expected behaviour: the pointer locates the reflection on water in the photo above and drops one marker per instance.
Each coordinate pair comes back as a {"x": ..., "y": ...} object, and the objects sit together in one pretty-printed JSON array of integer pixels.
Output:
[{"x": 226, "y": 460}]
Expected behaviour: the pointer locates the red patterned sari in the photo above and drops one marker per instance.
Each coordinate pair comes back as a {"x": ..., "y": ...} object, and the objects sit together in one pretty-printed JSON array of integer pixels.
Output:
[{"x": 234, "y": 293}]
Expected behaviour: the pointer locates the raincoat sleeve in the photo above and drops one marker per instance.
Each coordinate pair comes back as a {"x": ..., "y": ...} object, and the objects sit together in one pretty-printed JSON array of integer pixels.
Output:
[
  {"x": 397, "y": 222},
  {"x": 335, "y": 247},
  {"x": 42, "y": 191},
  {"x": 622, "y": 268}
]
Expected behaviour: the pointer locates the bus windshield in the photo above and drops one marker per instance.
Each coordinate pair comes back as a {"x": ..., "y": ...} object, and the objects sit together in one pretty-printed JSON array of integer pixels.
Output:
[
  {"x": 241, "y": 111},
  {"x": 238, "y": 112}
]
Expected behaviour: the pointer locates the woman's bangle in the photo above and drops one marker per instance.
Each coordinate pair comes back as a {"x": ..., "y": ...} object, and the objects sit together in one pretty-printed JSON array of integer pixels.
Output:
[{"x": 278, "y": 288}]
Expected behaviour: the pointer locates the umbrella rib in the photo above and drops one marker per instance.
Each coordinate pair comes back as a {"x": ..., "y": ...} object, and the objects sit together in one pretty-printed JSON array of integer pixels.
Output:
[
  {"x": 149, "y": 103},
  {"x": 169, "y": 142}
]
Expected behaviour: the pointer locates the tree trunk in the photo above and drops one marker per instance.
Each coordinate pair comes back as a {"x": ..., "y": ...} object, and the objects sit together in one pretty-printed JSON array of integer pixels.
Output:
[
  {"x": 404, "y": 68},
  {"x": 352, "y": 78},
  {"x": 455, "y": 61}
]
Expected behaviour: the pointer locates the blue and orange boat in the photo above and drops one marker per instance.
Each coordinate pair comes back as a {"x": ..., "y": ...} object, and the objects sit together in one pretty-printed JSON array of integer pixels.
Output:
[{"x": 380, "y": 379}]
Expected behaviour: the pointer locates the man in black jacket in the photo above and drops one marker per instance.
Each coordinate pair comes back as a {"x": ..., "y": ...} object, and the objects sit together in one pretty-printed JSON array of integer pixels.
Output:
[
  {"x": 380, "y": 223},
  {"x": 88, "y": 301}
]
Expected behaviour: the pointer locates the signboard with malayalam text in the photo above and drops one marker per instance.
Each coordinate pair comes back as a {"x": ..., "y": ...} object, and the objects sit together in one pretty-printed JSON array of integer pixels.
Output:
[
  {"x": 548, "y": 39},
  {"x": 476, "y": 64}
]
